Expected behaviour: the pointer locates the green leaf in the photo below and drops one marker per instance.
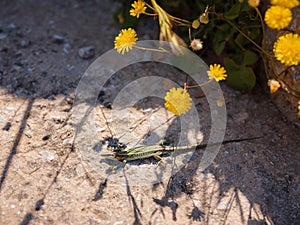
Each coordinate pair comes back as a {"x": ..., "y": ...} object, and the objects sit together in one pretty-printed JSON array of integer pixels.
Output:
[
  {"x": 219, "y": 47},
  {"x": 233, "y": 12},
  {"x": 230, "y": 65},
  {"x": 249, "y": 58},
  {"x": 219, "y": 42},
  {"x": 241, "y": 41},
  {"x": 242, "y": 79}
]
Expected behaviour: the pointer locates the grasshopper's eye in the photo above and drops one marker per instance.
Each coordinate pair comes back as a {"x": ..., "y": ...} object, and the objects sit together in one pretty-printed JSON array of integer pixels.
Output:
[
  {"x": 123, "y": 146},
  {"x": 164, "y": 143}
]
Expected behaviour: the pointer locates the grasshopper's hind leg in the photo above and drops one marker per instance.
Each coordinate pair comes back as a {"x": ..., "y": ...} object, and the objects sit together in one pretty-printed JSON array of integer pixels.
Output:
[{"x": 158, "y": 158}]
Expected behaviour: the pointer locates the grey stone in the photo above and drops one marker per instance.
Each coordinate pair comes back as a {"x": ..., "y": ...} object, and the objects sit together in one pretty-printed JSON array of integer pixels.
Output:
[
  {"x": 24, "y": 43},
  {"x": 58, "y": 39},
  {"x": 86, "y": 52}
]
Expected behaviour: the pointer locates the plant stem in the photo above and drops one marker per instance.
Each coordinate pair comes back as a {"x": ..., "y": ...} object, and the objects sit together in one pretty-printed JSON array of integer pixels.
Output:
[
  {"x": 151, "y": 49},
  {"x": 242, "y": 33}
]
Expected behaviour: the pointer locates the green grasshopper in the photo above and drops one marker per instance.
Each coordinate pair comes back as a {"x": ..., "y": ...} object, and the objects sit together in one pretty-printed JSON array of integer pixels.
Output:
[{"x": 124, "y": 154}]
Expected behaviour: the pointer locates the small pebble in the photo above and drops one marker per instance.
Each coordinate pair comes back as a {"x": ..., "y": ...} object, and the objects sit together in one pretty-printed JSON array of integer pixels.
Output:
[
  {"x": 27, "y": 134},
  {"x": 3, "y": 36},
  {"x": 47, "y": 155},
  {"x": 68, "y": 141},
  {"x": 18, "y": 53},
  {"x": 11, "y": 26},
  {"x": 223, "y": 205},
  {"x": 70, "y": 67},
  {"x": 58, "y": 39},
  {"x": 16, "y": 67},
  {"x": 24, "y": 43},
  {"x": 30, "y": 70},
  {"x": 9, "y": 108},
  {"x": 66, "y": 48},
  {"x": 118, "y": 223},
  {"x": 86, "y": 52},
  {"x": 225, "y": 153}
]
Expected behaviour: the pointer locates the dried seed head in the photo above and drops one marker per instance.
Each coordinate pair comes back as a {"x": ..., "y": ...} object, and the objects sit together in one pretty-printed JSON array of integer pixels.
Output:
[
  {"x": 274, "y": 85},
  {"x": 196, "y": 44},
  {"x": 204, "y": 18}
]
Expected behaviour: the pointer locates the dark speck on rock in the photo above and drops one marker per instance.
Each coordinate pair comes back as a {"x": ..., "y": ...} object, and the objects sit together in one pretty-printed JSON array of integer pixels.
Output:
[
  {"x": 45, "y": 138},
  {"x": 86, "y": 52},
  {"x": 7, "y": 126}
]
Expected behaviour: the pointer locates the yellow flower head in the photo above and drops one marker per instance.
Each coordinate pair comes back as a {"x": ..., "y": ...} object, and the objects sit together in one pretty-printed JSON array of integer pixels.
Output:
[
  {"x": 178, "y": 101},
  {"x": 278, "y": 17},
  {"x": 298, "y": 108},
  {"x": 285, "y": 3},
  {"x": 287, "y": 49},
  {"x": 216, "y": 72},
  {"x": 138, "y": 8},
  {"x": 125, "y": 40},
  {"x": 253, "y": 3},
  {"x": 274, "y": 85}
]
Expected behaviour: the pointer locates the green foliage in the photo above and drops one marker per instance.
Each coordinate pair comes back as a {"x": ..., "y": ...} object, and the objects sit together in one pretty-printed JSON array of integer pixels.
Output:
[
  {"x": 241, "y": 76},
  {"x": 225, "y": 34},
  {"x": 123, "y": 17},
  {"x": 232, "y": 28},
  {"x": 233, "y": 12}
]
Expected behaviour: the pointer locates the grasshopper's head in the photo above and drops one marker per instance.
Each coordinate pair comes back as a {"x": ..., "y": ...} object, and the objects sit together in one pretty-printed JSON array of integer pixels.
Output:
[{"x": 164, "y": 142}]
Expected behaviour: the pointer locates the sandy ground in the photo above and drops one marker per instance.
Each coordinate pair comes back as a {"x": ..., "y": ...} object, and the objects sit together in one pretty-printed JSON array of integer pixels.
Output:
[{"x": 46, "y": 180}]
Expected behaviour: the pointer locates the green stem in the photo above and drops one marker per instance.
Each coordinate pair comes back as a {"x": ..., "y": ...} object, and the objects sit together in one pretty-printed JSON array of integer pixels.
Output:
[
  {"x": 198, "y": 85},
  {"x": 181, "y": 22},
  {"x": 262, "y": 27},
  {"x": 242, "y": 33}
]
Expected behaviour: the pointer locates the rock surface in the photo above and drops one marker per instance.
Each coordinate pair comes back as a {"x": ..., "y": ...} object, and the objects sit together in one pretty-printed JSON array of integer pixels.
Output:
[{"x": 44, "y": 180}]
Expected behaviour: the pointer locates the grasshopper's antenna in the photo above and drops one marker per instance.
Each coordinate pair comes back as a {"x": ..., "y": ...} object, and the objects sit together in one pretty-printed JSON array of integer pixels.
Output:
[{"x": 106, "y": 121}]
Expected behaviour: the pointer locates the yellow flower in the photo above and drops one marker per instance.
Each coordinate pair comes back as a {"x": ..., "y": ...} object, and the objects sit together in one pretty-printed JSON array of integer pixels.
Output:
[
  {"x": 178, "y": 101},
  {"x": 287, "y": 49},
  {"x": 217, "y": 72},
  {"x": 196, "y": 44},
  {"x": 278, "y": 17},
  {"x": 298, "y": 108},
  {"x": 274, "y": 85},
  {"x": 253, "y": 3},
  {"x": 138, "y": 8},
  {"x": 125, "y": 40},
  {"x": 285, "y": 3}
]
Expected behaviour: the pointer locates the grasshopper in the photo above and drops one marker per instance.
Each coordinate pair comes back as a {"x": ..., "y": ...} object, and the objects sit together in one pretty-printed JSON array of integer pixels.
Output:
[{"x": 124, "y": 154}]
